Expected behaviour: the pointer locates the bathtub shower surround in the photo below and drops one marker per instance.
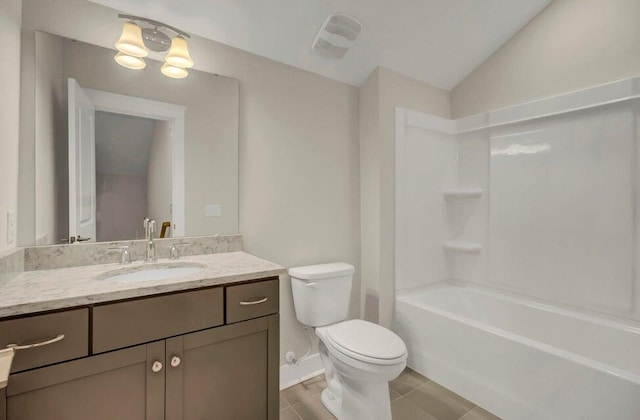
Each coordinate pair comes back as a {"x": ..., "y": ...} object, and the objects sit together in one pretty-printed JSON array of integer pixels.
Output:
[
  {"x": 561, "y": 208},
  {"x": 518, "y": 359},
  {"x": 516, "y": 253}
]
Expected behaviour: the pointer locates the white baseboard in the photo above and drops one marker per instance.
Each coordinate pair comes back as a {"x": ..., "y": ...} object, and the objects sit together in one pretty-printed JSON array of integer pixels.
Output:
[{"x": 305, "y": 369}]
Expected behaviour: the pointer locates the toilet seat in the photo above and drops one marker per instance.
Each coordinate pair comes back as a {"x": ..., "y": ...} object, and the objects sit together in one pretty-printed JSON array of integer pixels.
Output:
[{"x": 366, "y": 342}]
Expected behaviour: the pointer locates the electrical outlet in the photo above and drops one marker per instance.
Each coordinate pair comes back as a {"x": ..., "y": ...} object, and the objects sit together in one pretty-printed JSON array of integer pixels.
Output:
[{"x": 11, "y": 227}]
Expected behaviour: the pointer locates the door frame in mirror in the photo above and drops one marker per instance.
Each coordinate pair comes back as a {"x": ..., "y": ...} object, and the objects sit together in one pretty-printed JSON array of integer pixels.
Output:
[{"x": 147, "y": 108}]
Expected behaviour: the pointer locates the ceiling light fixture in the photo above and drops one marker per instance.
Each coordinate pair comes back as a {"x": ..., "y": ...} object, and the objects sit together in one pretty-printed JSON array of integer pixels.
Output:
[
  {"x": 130, "y": 62},
  {"x": 173, "y": 71},
  {"x": 178, "y": 55},
  {"x": 139, "y": 35},
  {"x": 130, "y": 41}
]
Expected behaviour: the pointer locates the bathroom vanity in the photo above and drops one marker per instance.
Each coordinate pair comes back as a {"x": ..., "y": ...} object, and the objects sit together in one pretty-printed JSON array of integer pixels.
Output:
[{"x": 202, "y": 346}]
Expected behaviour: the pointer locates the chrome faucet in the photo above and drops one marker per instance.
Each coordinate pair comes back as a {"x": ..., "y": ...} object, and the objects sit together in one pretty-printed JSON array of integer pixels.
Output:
[{"x": 149, "y": 230}]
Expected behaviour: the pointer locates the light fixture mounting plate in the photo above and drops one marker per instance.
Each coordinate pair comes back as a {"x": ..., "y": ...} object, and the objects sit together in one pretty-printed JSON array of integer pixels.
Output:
[{"x": 156, "y": 40}]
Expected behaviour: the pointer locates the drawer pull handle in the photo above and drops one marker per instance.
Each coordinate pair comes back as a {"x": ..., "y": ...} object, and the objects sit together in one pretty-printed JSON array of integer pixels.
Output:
[
  {"x": 254, "y": 302},
  {"x": 55, "y": 339}
]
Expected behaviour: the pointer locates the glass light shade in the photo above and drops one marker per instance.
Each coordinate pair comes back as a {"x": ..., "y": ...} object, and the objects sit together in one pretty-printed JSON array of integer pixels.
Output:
[
  {"x": 178, "y": 54},
  {"x": 130, "y": 62},
  {"x": 131, "y": 42},
  {"x": 173, "y": 71}
]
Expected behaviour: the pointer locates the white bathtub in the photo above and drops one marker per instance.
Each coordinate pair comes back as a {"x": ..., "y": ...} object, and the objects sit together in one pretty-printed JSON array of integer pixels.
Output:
[{"x": 521, "y": 359}]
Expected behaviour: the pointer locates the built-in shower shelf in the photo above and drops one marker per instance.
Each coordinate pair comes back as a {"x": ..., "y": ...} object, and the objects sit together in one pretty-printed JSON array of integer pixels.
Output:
[
  {"x": 463, "y": 193},
  {"x": 463, "y": 247}
]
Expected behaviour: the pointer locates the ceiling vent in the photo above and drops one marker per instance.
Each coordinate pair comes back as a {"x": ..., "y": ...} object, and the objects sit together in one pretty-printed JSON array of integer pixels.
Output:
[{"x": 336, "y": 35}]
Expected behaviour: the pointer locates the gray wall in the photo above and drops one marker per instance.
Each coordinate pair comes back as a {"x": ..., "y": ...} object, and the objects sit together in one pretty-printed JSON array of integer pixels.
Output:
[
  {"x": 10, "y": 16},
  {"x": 379, "y": 96},
  {"x": 572, "y": 44}
]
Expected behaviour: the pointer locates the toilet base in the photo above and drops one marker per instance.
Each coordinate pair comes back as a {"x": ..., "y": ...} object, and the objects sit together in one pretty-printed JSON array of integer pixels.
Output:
[
  {"x": 331, "y": 402},
  {"x": 356, "y": 390}
]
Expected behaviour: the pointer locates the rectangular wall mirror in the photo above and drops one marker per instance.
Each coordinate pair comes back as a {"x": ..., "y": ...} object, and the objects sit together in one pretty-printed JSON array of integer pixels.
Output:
[{"x": 107, "y": 146}]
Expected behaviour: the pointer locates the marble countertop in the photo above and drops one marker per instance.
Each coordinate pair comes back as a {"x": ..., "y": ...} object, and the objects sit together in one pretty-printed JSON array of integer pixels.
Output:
[{"x": 44, "y": 290}]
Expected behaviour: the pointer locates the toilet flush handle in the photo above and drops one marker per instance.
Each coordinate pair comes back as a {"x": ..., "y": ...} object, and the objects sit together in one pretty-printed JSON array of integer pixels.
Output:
[{"x": 311, "y": 284}]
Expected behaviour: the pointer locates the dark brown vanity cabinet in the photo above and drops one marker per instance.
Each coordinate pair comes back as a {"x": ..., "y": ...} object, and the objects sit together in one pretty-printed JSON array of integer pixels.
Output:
[
  {"x": 194, "y": 371},
  {"x": 229, "y": 372},
  {"x": 115, "y": 385}
]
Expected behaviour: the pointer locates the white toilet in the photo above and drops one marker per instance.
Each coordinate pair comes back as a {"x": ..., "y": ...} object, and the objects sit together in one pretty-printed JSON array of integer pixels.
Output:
[{"x": 359, "y": 357}]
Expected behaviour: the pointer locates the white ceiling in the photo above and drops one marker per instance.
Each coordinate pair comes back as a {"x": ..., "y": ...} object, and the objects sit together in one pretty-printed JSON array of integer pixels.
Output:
[{"x": 437, "y": 41}]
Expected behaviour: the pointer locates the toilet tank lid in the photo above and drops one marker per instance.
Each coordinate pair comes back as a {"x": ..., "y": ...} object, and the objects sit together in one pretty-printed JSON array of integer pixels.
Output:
[{"x": 322, "y": 271}]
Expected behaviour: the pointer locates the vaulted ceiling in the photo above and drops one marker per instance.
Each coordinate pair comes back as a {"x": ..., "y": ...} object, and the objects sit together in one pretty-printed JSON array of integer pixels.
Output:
[{"x": 436, "y": 41}]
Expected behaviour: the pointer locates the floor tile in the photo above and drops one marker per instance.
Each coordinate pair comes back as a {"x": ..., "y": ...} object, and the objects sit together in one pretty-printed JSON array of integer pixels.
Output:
[
  {"x": 303, "y": 390},
  {"x": 283, "y": 402},
  {"x": 289, "y": 414},
  {"x": 479, "y": 413},
  {"x": 312, "y": 409},
  {"x": 407, "y": 381},
  {"x": 393, "y": 395},
  {"x": 440, "y": 402},
  {"x": 403, "y": 409}
]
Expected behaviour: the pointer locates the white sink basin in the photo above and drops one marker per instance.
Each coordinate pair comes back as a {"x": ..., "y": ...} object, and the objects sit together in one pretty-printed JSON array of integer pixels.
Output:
[{"x": 153, "y": 272}]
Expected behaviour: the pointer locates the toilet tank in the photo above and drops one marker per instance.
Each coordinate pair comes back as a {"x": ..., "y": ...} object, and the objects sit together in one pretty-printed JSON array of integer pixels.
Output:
[{"x": 321, "y": 293}]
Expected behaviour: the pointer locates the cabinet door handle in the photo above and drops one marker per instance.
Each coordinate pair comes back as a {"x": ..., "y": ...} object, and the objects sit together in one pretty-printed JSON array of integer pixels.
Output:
[
  {"x": 254, "y": 302},
  {"x": 55, "y": 339},
  {"x": 157, "y": 366},
  {"x": 175, "y": 361}
]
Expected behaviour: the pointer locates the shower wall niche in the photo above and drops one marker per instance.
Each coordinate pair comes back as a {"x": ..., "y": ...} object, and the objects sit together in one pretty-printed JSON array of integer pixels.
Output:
[{"x": 541, "y": 199}]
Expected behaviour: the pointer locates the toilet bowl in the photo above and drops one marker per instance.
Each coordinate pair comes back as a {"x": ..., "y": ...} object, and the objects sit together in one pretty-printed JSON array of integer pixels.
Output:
[
  {"x": 363, "y": 358},
  {"x": 359, "y": 357}
]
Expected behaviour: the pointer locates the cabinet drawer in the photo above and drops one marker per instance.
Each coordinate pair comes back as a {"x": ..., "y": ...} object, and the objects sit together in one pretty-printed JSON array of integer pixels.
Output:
[
  {"x": 252, "y": 300},
  {"x": 74, "y": 325},
  {"x": 123, "y": 324}
]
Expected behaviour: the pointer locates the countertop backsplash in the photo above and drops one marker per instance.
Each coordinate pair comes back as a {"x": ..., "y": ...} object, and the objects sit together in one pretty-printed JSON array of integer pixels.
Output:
[
  {"x": 63, "y": 256},
  {"x": 11, "y": 264}
]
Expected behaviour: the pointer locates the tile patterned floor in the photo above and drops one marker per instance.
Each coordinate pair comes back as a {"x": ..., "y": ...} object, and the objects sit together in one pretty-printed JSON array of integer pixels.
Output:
[{"x": 413, "y": 397}]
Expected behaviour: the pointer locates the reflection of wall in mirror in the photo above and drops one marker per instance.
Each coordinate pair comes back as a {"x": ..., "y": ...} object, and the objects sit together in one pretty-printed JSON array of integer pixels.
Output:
[
  {"x": 50, "y": 137},
  {"x": 122, "y": 160},
  {"x": 159, "y": 175},
  {"x": 121, "y": 204}
]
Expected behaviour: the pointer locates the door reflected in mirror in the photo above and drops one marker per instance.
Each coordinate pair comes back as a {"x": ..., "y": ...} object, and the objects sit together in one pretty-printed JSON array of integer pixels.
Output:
[{"x": 124, "y": 155}]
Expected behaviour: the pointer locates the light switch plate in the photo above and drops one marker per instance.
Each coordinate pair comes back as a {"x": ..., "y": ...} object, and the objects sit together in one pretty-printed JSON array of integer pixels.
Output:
[
  {"x": 213, "y": 210},
  {"x": 11, "y": 227}
]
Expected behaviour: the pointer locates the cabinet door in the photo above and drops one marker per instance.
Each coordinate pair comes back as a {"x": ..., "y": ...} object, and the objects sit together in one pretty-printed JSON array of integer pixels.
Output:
[
  {"x": 229, "y": 372},
  {"x": 118, "y": 385}
]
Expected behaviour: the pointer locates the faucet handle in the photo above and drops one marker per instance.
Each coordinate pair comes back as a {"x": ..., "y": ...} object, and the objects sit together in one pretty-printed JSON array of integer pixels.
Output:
[
  {"x": 124, "y": 253},
  {"x": 145, "y": 224},
  {"x": 174, "y": 254}
]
